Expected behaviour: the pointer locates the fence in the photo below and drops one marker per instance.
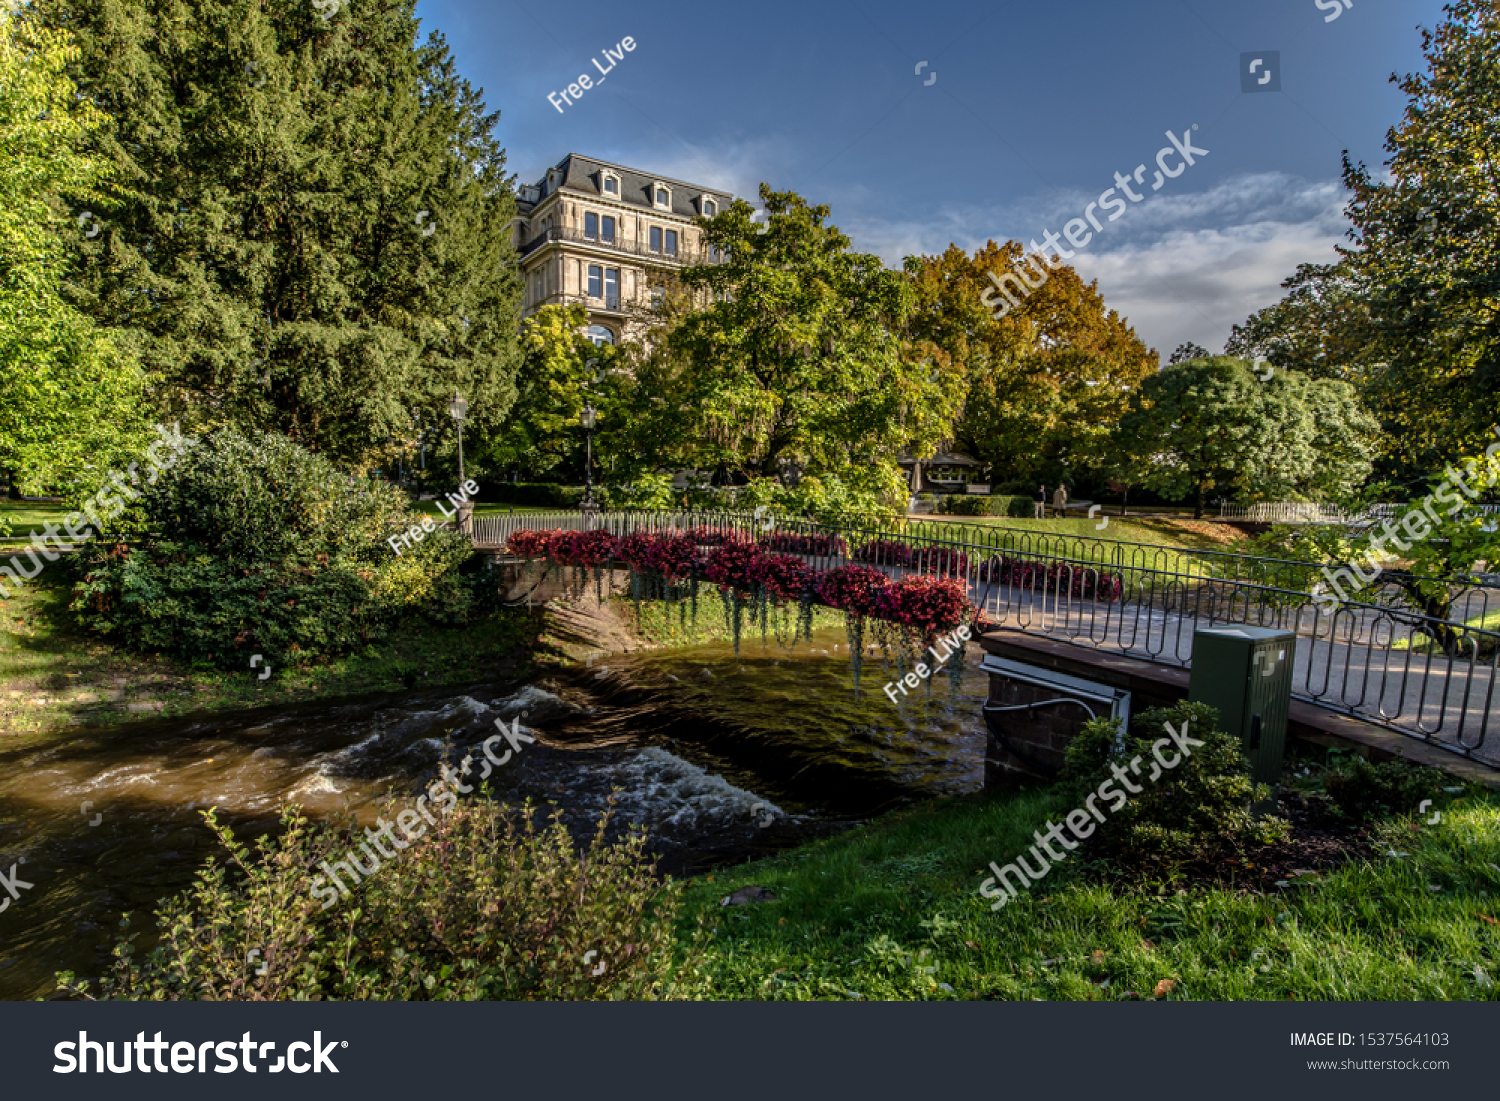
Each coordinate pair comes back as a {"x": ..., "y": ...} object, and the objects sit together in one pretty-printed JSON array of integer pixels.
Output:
[
  {"x": 1427, "y": 677},
  {"x": 1309, "y": 512}
]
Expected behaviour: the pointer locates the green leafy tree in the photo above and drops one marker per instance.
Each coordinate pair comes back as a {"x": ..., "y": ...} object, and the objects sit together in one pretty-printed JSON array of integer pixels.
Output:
[
  {"x": 1043, "y": 386},
  {"x": 318, "y": 242},
  {"x": 1212, "y": 423},
  {"x": 1427, "y": 244},
  {"x": 69, "y": 399},
  {"x": 1191, "y": 428},
  {"x": 794, "y": 362},
  {"x": 561, "y": 371},
  {"x": 1321, "y": 327}
]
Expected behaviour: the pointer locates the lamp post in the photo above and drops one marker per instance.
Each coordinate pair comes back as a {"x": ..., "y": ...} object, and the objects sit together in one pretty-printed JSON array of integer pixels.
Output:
[
  {"x": 457, "y": 407},
  {"x": 587, "y": 418}
]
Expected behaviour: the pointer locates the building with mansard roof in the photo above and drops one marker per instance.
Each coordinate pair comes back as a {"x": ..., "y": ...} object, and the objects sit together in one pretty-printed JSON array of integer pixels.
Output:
[{"x": 608, "y": 237}]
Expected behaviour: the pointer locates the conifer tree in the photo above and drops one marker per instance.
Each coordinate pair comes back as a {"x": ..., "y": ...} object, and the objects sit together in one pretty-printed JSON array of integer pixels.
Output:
[{"x": 318, "y": 240}]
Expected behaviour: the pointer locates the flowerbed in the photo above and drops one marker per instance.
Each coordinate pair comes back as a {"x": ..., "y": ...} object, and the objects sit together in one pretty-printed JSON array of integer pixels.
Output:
[
  {"x": 748, "y": 572},
  {"x": 790, "y": 543},
  {"x": 1057, "y": 577},
  {"x": 893, "y": 552}
]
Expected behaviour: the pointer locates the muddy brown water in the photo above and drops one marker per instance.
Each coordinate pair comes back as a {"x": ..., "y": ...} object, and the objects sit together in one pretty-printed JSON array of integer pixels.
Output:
[{"x": 719, "y": 757}]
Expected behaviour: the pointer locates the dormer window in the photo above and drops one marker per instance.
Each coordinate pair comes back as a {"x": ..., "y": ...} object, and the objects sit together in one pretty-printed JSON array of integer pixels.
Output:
[
  {"x": 710, "y": 208},
  {"x": 609, "y": 184},
  {"x": 661, "y": 197}
]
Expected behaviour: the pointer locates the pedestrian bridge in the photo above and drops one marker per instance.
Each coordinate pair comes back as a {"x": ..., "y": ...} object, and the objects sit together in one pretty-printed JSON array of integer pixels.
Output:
[{"x": 1428, "y": 678}]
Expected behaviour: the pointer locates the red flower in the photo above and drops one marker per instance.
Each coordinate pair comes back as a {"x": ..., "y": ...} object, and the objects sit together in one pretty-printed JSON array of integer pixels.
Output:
[{"x": 857, "y": 590}]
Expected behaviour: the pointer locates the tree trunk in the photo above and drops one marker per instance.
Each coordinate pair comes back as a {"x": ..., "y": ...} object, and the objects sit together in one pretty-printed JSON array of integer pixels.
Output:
[{"x": 1202, "y": 491}]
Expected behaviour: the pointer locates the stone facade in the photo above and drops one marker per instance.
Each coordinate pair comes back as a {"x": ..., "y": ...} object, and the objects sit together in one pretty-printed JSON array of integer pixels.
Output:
[{"x": 609, "y": 237}]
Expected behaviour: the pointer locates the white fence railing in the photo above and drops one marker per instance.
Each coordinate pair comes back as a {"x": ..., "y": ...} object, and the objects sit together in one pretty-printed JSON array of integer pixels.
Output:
[{"x": 1311, "y": 512}]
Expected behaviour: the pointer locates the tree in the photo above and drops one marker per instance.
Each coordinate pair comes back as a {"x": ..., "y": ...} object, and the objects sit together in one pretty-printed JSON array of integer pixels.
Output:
[
  {"x": 794, "y": 364},
  {"x": 319, "y": 238},
  {"x": 1185, "y": 352},
  {"x": 1321, "y": 328},
  {"x": 1210, "y": 423},
  {"x": 69, "y": 400},
  {"x": 1044, "y": 385},
  {"x": 1427, "y": 244},
  {"x": 561, "y": 370}
]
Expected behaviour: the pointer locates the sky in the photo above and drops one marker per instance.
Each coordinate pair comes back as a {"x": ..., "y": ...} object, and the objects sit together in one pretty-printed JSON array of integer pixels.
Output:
[{"x": 1022, "y": 115}]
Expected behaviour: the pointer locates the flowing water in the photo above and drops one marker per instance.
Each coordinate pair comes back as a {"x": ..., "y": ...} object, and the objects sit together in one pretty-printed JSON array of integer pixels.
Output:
[{"x": 719, "y": 757}]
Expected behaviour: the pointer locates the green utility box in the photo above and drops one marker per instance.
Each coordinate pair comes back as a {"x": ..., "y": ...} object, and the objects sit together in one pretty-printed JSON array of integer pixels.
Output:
[{"x": 1246, "y": 673}]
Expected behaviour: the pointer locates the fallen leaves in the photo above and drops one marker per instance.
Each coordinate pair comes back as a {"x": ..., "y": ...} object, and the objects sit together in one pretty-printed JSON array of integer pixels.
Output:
[{"x": 1164, "y": 988}]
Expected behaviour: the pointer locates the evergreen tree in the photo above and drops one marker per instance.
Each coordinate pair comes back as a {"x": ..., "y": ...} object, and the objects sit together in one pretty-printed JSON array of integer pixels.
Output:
[{"x": 319, "y": 239}]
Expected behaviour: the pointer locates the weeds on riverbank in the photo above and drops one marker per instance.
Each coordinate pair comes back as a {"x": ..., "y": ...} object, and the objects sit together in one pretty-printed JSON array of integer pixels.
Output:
[{"x": 485, "y": 905}]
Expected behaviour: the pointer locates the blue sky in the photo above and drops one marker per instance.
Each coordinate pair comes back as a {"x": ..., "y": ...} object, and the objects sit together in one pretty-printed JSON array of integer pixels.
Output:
[{"x": 1035, "y": 107}]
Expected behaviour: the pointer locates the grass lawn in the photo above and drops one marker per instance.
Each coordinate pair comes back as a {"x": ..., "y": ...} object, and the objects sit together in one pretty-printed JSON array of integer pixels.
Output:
[
  {"x": 53, "y": 676},
  {"x": 23, "y": 516},
  {"x": 1081, "y": 537},
  {"x": 892, "y": 911}
]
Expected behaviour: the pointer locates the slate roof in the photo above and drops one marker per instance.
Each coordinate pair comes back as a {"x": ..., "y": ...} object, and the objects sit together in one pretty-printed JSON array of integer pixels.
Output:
[{"x": 581, "y": 174}]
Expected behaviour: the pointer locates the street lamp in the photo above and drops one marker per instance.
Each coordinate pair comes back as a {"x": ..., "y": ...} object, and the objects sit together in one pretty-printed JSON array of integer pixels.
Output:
[
  {"x": 457, "y": 407},
  {"x": 587, "y": 418}
]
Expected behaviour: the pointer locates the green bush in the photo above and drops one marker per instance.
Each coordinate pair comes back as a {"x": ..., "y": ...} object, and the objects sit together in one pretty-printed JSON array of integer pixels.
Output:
[
  {"x": 533, "y": 494},
  {"x": 649, "y": 491},
  {"x": 262, "y": 547},
  {"x": 1021, "y": 508},
  {"x": 482, "y": 907},
  {"x": 963, "y": 504},
  {"x": 1204, "y": 800},
  {"x": 1363, "y": 790}
]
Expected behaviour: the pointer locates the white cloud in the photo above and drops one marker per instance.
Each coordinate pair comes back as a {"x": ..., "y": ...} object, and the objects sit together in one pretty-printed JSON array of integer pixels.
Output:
[{"x": 1177, "y": 267}]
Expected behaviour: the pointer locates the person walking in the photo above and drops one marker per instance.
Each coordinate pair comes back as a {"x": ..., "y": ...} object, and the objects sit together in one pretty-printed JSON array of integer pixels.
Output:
[
  {"x": 1041, "y": 502},
  {"x": 1060, "y": 500}
]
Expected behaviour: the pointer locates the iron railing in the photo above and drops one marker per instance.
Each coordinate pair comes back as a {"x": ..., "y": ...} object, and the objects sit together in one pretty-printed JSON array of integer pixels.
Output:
[{"x": 1427, "y": 677}]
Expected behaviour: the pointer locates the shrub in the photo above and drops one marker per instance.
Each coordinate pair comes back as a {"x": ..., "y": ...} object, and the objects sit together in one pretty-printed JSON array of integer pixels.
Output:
[
  {"x": 893, "y": 552},
  {"x": 964, "y": 504},
  {"x": 263, "y": 546},
  {"x": 484, "y": 907},
  {"x": 533, "y": 494},
  {"x": 1020, "y": 508},
  {"x": 649, "y": 491},
  {"x": 1363, "y": 790},
  {"x": 1203, "y": 801}
]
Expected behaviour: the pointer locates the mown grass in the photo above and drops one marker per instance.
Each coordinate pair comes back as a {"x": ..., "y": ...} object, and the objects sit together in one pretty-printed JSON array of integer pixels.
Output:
[
  {"x": 892, "y": 911},
  {"x": 53, "y": 676}
]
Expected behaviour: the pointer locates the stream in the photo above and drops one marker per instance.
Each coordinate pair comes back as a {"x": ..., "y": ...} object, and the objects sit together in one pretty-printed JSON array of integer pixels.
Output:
[{"x": 720, "y": 758}]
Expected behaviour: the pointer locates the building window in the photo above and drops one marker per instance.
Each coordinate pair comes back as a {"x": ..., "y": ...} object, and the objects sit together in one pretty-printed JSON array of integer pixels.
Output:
[
  {"x": 663, "y": 198},
  {"x": 671, "y": 242},
  {"x": 609, "y": 230},
  {"x": 658, "y": 293},
  {"x": 656, "y": 238},
  {"x": 591, "y": 227},
  {"x": 600, "y": 335},
  {"x": 596, "y": 276},
  {"x": 612, "y": 286},
  {"x": 611, "y": 185},
  {"x": 709, "y": 208}
]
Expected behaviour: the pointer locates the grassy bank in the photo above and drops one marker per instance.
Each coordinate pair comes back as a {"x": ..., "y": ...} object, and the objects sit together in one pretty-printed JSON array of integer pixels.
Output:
[
  {"x": 53, "y": 676},
  {"x": 892, "y": 911}
]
